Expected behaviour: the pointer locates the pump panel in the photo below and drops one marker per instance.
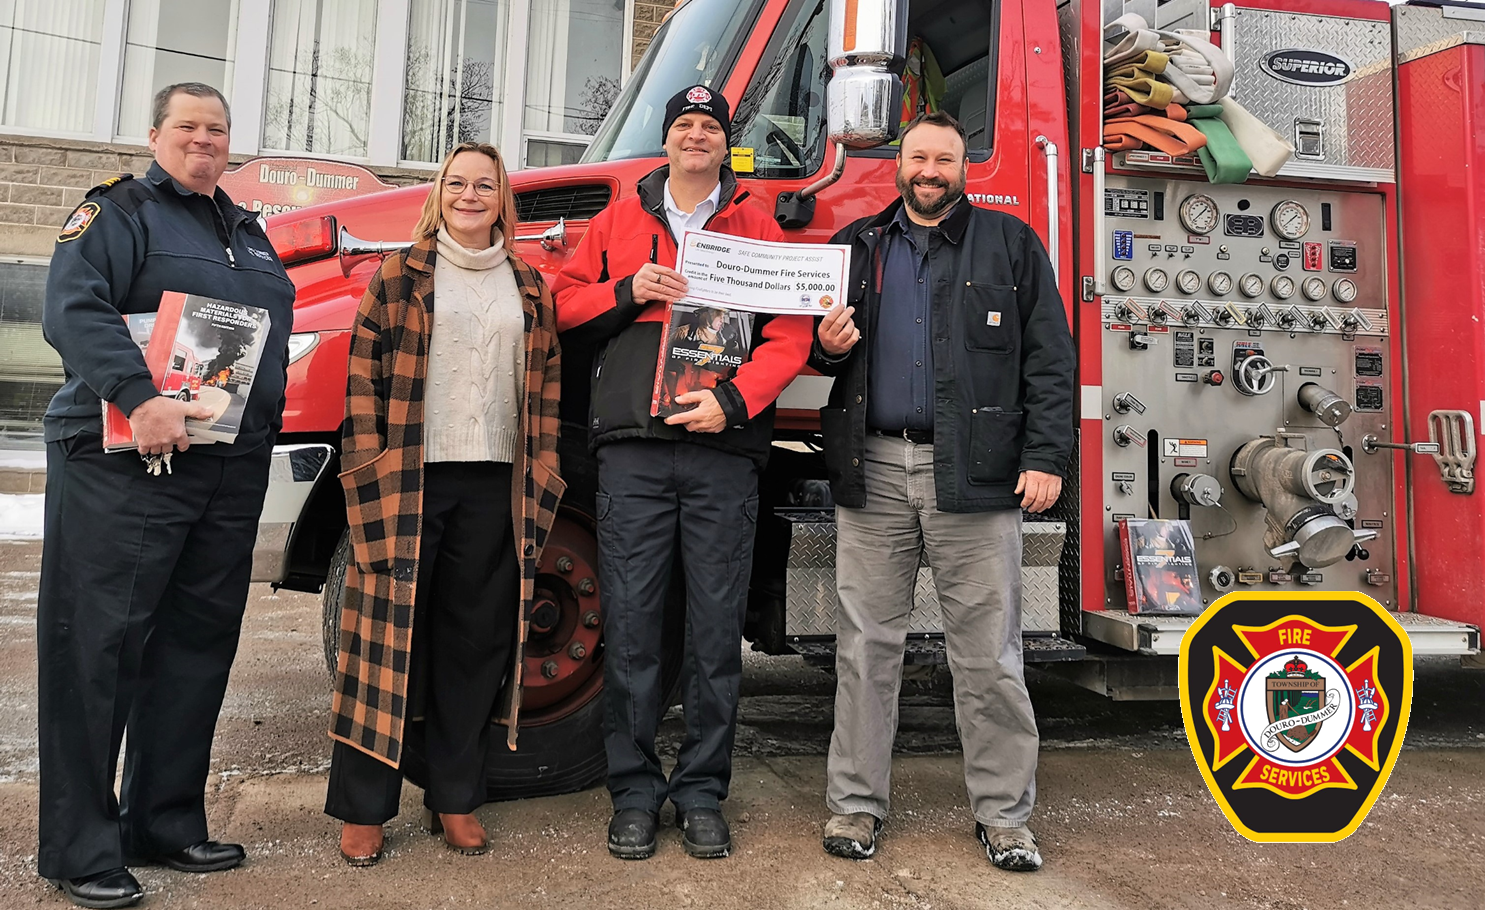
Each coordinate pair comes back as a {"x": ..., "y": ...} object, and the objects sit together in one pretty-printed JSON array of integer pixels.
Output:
[{"x": 1233, "y": 299}]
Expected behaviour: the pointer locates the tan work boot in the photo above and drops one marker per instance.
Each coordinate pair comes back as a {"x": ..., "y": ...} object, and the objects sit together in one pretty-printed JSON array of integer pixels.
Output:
[
  {"x": 462, "y": 833},
  {"x": 852, "y": 836},
  {"x": 1011, "y": 849},
  {"x": 361, "y": 845}
]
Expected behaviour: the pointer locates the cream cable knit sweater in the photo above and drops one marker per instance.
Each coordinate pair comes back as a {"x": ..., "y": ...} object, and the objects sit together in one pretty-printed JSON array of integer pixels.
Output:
[{"x": 476, "y": 356}]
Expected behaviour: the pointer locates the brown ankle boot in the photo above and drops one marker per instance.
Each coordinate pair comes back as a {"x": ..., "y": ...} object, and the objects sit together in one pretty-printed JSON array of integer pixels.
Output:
[
  {"x": 361, "y": 845},
  {"x": 463, "y": 833}
]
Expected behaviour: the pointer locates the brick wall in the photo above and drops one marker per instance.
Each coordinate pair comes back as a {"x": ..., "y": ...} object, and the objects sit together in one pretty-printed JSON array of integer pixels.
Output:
[{"x": 648, "y": 14}]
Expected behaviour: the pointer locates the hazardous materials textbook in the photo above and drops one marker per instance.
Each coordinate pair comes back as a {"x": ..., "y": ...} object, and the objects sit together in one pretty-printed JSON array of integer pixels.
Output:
[{"x": 207, "y": 350}]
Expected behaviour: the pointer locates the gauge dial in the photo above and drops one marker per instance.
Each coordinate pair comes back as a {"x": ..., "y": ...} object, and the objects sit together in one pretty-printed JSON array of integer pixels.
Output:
[
  {"x": 1282, "y": 287},
  {"x": 1199, "y": 214},
  {"x": 1188, "y": 281},
  {"x": 1220, "y": 283},
  {"x": 1290, "y": 220},
  {"x": 1313, "y": 288},
  {"x": 1156, "y": 280},
  {"x": 1251, "y": 285},
  {"x": 1344, "y": 290},
  {"x": 1123, "y": 278}
]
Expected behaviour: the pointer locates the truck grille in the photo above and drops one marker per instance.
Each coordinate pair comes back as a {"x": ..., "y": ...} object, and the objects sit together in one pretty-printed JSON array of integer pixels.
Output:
[{"x": 575, "y": 203}]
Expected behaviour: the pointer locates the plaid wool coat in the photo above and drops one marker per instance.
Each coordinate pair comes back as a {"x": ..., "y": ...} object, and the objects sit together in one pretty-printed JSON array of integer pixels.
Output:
[{"x": 382, "y": 458}]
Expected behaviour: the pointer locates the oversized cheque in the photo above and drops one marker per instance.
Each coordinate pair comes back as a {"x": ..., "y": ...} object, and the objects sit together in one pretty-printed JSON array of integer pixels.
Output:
[{"x": 761, "y": 276}]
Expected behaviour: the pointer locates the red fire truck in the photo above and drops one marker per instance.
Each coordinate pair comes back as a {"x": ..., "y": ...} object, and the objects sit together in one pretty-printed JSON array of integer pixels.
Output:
[{"x": 1293, "y": 363}]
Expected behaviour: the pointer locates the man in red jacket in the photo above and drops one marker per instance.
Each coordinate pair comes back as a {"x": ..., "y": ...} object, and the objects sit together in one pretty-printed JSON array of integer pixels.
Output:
[{"x": 696, "y": 472}]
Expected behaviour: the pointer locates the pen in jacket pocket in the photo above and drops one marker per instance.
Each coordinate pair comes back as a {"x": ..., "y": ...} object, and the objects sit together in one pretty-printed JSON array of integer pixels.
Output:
[{"x": 654, "y": 247}]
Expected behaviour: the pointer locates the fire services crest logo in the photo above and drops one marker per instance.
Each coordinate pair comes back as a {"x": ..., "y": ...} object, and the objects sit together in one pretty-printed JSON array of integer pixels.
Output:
[
  {"x": 698, "y": 95},
  {"x": 1295, "y": 708}
]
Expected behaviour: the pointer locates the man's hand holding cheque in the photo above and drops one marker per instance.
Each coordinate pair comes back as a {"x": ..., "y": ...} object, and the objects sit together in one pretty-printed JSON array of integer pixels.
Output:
[
  {"x": 656, "y": 282},
  {"x": 838, "y": 332}
]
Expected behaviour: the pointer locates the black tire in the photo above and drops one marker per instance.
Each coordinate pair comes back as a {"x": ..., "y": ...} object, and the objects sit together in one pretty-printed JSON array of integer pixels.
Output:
[
  {"x": 565, "y": 755},
  {"x": 331, "y": 598}
]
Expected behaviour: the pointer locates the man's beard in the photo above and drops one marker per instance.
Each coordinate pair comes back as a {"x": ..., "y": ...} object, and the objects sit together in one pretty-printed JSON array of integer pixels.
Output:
[{"x": 953, "y": 192}]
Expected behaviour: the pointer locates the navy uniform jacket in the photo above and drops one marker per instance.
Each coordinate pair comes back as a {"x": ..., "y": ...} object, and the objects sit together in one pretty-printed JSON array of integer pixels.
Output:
[{"x": 128, "y": 242}]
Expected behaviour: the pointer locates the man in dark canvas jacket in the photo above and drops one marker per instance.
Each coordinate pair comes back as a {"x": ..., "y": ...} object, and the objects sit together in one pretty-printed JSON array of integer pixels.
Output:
[
  {"x": 696, "y": 471},
  {"x": 951, "y": 411},
  {"x": 144, "y": 576}
]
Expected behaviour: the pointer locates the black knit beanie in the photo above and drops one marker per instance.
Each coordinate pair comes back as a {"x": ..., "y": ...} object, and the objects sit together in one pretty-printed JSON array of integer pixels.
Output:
[{"x": 697, "y": 98}]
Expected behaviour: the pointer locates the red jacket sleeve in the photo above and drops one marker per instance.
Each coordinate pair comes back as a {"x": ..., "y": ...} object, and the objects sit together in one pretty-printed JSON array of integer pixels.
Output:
[
  {"x": 780, "y": 355},
  {"x": 590, "y": 303}
]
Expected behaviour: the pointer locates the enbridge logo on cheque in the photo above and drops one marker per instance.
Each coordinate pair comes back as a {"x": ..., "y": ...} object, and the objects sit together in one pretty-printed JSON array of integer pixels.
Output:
[{"x": 1295, "y": 708}]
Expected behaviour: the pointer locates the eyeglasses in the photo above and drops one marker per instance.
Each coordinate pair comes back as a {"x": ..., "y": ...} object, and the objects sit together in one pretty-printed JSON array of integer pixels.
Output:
[{"x": 457, "y": 185}]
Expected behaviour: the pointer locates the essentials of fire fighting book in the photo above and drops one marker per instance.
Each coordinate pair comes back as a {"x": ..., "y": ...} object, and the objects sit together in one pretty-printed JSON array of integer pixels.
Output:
[
  {"x": 1160, "y": 566},
  {"x": 702, "y": 347},
  {"x": 199, "y": 349}
]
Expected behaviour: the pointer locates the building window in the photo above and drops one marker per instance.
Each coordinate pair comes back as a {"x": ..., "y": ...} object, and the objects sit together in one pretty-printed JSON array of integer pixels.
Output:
[
  {"x": 455, "y": 62},
  {"x": 573, "y": 64},
  {"x": 170, "y": 41},
  {"x": 49, "y": 64},
  {"x": 545, "y": 152},
  {"x": 320, "y": 59}
]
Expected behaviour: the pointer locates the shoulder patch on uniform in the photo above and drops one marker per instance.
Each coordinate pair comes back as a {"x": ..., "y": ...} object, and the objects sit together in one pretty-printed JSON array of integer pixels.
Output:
[
  {"x": 108, "y": 184},
  {"x": 79, "y": 222}
]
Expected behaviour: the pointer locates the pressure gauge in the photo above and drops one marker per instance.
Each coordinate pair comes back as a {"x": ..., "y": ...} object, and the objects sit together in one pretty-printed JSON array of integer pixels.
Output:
[
  {"x": 1290, "y": 220},
  {"x": 1123, "y": 278},
  {"x": 1344, "y": 290},
  {"x": 1199, "y": 214},
  {"x": 1156, "y": 280},
  {"x": 1188, "y": 281},
  {"x": 1220, "y": 283},
  {"x": 1251, "y": 285},
  {"x": 1313, "y": 288},
  {"x": 1282, "y": 287}
]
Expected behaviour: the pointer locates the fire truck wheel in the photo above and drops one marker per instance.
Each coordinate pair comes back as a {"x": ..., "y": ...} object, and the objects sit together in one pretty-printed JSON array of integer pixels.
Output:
[{"x": 330, "y": 600}]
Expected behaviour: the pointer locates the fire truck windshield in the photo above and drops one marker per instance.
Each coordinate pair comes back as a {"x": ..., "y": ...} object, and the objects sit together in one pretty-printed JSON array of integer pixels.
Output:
[{"x": 697, "y": 44}]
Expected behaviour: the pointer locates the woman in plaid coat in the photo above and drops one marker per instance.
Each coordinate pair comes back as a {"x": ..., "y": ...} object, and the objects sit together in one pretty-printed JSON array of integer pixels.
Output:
[{"x": 450, "y": 456}]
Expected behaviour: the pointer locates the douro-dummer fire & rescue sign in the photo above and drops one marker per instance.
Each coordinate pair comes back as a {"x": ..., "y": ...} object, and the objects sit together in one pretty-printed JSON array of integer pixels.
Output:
[{"x": 1295, "y": 708}]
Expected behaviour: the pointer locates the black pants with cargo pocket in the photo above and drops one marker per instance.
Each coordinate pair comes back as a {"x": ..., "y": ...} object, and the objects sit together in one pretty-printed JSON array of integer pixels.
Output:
[
  {"x": 648, "y": 490},
  {"x": 143, "y": 584}
]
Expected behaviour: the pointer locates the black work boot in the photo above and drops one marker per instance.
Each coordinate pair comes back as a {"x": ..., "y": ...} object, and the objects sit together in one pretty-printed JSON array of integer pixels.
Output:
[
  {"x": 704, "y": 833},
  {"x": 631, "y": 833}
]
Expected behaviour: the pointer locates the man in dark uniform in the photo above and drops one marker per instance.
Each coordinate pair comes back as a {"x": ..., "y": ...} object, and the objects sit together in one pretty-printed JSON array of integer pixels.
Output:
[{"x": 144, "y": 574}]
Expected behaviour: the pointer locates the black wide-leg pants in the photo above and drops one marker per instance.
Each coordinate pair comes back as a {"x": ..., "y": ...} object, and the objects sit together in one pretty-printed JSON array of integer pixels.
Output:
[
  {"x": 467, "y": 600},
  {"x": 143, "y": 584},
  {"x": 647, "y": 490}
]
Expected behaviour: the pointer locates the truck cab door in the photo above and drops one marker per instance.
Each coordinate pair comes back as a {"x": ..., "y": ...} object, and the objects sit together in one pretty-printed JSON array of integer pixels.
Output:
[{"x": 966, "y": 57}]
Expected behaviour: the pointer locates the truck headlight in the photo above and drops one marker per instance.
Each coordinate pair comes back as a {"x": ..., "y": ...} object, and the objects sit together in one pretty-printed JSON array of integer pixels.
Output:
[{"x": 302, "y": 343}]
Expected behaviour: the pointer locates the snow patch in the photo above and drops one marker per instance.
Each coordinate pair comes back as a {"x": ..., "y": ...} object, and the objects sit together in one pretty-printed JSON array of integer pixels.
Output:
[
  {"x": 23, "y": 459},
  {"x": 21, "y": 515}
]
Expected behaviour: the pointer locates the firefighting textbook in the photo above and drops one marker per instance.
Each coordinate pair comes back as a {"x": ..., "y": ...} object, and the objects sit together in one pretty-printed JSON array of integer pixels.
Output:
[
  {"x": 1160, "y": 566},
  {"x": 702, "y": 347},
  {"x": 199, "y": 349}
]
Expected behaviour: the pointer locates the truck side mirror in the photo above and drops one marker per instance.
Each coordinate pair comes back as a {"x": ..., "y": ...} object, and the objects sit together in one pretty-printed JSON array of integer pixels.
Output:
[{"x": 867, "y": 47}]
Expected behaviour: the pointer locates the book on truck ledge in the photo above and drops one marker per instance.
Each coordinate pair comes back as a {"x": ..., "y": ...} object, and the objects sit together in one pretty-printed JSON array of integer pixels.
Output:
[
  {"x": 702, "y": 347},
  {"x": 199, "y": 349},
  {"x": 1160, "y": 566}
]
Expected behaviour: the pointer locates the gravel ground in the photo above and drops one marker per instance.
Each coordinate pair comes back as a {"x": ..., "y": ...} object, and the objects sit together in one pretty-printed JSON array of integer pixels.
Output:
[{"x": 1123, "y": 817}]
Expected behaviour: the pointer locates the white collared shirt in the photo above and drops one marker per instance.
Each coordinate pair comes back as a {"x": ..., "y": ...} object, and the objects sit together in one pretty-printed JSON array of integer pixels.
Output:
[{"x": 694, "y": 221}]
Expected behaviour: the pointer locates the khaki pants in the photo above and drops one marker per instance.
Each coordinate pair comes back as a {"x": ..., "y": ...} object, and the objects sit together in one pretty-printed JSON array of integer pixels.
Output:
[{"x": 976, "y": 560}]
